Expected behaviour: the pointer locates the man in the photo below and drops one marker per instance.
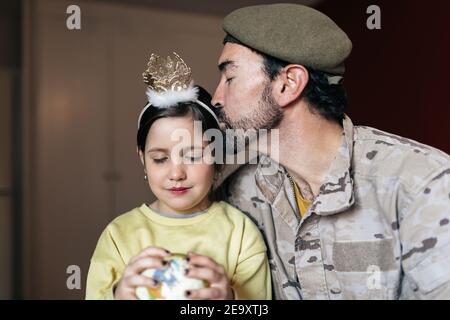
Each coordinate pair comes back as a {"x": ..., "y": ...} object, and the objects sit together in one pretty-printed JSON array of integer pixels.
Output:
[{"x": 350, "y": 212}]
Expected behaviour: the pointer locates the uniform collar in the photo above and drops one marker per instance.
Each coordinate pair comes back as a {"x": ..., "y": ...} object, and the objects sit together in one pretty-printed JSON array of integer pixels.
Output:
[{"x": 335, "y": 195}]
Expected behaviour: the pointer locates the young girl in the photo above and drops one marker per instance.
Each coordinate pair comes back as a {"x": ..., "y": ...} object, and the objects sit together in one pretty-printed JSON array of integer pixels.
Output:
[{"x": 224, "y": 247}]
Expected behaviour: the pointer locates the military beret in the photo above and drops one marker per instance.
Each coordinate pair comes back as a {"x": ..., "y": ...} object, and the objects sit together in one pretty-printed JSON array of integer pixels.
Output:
[{"x": 293, "y": 33}]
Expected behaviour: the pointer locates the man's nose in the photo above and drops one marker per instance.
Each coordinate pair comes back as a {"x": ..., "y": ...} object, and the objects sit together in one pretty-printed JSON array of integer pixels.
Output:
[{"x": 217, "y": 99}]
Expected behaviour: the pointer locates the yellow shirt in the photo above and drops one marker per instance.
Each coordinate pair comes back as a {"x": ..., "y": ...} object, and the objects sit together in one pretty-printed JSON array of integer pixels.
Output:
[{"x": 223, "y": 233}]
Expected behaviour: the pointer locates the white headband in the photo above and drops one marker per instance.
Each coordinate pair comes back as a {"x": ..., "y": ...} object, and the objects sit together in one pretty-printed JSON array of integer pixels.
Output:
[{"x": 196, "y": 101}]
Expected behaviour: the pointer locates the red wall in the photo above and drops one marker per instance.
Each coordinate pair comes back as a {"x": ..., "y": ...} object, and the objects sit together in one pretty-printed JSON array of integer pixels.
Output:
[{"x": 397, "y": 78}]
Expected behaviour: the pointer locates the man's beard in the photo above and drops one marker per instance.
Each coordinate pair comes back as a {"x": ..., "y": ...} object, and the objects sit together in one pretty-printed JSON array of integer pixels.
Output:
[{"x": 267, "y": 115}]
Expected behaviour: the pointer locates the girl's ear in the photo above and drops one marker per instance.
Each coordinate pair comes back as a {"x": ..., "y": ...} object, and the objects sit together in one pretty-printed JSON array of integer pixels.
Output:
[{"x": 141, "y": 156}]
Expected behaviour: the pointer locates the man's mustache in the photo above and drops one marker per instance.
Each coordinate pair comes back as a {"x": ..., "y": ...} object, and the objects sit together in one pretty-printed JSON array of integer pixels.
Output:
[{"x": 218, "y": 110}]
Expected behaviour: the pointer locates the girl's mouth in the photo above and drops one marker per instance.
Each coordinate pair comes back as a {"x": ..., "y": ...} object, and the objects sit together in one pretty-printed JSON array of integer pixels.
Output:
[{"x": 179, "y": 191}]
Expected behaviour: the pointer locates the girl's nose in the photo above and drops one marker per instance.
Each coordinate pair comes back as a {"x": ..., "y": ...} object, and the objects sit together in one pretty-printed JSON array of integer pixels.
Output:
[{"x": 177, "y": 172}]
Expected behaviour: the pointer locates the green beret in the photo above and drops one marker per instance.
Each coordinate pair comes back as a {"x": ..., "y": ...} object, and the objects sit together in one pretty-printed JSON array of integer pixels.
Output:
[{"x": 293, "y": 33}]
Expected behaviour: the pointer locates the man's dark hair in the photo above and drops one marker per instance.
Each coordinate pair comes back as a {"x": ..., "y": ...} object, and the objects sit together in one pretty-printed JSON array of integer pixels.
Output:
[{"x": 329, "y": 100}]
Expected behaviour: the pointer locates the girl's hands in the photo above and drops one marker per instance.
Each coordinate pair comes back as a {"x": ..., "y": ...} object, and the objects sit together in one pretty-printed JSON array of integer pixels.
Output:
[
  {"x": 151, "y": 257},
  {"x": 205, "y": 268}
]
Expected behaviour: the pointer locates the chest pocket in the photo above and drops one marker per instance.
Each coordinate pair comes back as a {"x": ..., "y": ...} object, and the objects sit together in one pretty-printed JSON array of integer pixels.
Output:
[{"x": 366, "y": 269}]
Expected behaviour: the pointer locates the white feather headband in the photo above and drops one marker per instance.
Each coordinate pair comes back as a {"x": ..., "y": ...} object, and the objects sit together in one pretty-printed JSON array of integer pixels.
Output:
[
  {"x": 170, "y": 98},
  {"x": 170, "y": 82}
]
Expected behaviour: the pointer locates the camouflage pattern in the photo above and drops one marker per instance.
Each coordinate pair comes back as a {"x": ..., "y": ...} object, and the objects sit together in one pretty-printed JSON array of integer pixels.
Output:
[{"x": 379, "y": 228}]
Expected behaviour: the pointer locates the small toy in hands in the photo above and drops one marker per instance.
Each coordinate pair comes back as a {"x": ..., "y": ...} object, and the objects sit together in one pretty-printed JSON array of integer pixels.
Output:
[{"x": 171, "y": 279}]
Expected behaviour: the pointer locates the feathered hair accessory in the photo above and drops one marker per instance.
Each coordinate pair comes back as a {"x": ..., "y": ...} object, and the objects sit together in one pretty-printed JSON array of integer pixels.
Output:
[{"x": 169, "y": 82}]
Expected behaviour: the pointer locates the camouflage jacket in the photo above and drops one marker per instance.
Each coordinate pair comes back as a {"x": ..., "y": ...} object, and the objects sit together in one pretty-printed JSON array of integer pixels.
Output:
[{"x": 378, "y": 229}]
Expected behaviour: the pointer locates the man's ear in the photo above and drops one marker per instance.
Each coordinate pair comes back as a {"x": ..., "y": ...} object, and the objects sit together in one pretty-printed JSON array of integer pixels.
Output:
[{"x": 289, "y": 84}]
